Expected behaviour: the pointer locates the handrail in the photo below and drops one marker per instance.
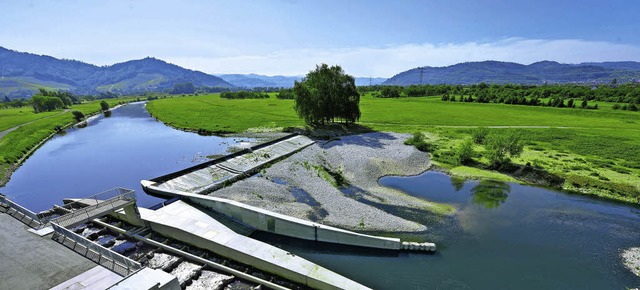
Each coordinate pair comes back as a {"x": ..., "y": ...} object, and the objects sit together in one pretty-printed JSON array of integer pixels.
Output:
[
  {"x": 116, "y": 258},
  {"x": 4, "y": 199},
  {"x": 126, "y": 195}
]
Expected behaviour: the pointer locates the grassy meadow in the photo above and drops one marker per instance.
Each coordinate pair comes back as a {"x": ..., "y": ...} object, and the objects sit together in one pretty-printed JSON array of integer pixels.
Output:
[{"x": 597, "y": 152}]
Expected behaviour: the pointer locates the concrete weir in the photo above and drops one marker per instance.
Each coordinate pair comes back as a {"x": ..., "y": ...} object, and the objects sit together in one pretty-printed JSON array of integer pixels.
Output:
[
  {"x": 214, "y": 174},
  {"x": 276, "y": 223}
]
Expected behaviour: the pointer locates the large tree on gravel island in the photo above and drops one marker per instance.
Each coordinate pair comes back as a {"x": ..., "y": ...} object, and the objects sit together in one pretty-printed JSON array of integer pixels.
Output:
[{"x": 325, "y": 95}]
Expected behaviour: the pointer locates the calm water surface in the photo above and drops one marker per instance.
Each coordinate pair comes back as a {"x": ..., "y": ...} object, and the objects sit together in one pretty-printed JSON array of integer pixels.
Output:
[
  {"x": 118, "y": 151},
  {"x": 505, "y": 236}
]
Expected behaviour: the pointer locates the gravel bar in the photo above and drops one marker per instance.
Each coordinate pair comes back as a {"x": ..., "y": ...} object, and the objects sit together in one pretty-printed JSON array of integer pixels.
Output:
[{"x": 361, "y": 159}]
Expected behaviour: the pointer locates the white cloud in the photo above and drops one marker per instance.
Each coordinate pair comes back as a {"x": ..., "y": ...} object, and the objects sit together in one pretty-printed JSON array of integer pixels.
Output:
[{"x": 389, "y": 60}]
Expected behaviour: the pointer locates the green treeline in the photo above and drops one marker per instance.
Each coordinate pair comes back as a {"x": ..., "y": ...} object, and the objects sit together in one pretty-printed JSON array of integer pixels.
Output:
[
  {"x": 46, "y": 101},
  {"x": 285, "y": 94},
  {"x": 569, "y": 96},
  {"x": 244, "y": 95}
]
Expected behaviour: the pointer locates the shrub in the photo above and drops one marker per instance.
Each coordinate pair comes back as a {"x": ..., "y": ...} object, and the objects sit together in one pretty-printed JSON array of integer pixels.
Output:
[
  {"x": 418, "y": 141},
  {"x": 500, "y": 147},
  {"x": 104, "y": 106},
  {"x": 78, "y": 115},
  {"x": 464, "y": 153},
  {"x": 479, "y": 134}
]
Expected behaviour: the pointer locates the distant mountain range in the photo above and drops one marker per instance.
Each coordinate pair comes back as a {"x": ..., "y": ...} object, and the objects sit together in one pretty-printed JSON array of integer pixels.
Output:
[
  {"x": 22, "y": 73},
  {"x": 255, "y": 81},
  {"x": 496, "y": 72}
]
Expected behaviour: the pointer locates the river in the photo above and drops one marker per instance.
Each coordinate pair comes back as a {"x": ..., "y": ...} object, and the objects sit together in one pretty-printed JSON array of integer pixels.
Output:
[
  {"x": 115, "y": 151},
  {"x": 504, "y": 236}
]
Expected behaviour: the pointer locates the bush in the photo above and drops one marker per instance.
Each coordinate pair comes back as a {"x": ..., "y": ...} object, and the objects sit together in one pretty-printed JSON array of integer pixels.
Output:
[
  {"x": 479, "y": 134},
  {"x": 390, "y": 92},
  {"x": 244, "y": 95},
  {"x": 502, "y": 146},
  {"x": 286, "y": 94},
  {"x": 104, "y": 106},
  {"x": 464, "y": 153},
  {"x": 78, "y": 115},
  {"x": 418, "y": 141}
]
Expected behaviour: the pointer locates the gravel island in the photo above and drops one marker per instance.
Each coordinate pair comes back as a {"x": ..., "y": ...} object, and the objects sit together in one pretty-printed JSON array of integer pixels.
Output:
[{"x": 335, "y": 182}]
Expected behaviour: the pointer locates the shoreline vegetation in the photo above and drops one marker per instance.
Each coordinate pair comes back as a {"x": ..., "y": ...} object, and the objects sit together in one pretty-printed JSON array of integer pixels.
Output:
[
  {"x": 22, "y": 139},
  {"x": 588, "y": 152}
]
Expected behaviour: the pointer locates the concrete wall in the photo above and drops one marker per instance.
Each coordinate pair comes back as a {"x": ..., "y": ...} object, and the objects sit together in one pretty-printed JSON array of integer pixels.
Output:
[
  {"x": 186, "y": 227},
  {"x": 289, "y": 226}
]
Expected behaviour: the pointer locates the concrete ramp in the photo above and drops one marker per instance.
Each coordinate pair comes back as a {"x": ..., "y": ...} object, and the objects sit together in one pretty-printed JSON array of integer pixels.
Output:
[
  {"x": 184, "y": 222},
  {"x": 214, "y": 174}
]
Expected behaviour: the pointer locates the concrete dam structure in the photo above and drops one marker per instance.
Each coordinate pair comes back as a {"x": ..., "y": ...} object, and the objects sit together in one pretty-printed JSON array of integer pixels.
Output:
[{"x": 214, "y": 174}]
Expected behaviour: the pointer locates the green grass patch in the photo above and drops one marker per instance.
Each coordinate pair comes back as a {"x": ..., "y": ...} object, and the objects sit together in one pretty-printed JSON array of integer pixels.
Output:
[
  {"x": 12, "y": 117},
  {"x": 477, "y": 173},
  {"x": 217, "y": 115}
]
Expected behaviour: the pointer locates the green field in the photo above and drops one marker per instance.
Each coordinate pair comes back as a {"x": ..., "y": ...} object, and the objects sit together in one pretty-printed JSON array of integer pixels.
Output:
[
  {"x": 596, "y": 151},
  {"x": 37, "y": 127},
  {"x": 17, "y": 116}
]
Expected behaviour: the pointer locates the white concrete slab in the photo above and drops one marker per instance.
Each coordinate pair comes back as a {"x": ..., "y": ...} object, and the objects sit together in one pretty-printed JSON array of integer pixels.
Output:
[
  {"x": 97, "y": 277},
  {"x": 148, "y": 278},
  {"x": 189, "y": 224},
  {"x": 42, "y": 232}
]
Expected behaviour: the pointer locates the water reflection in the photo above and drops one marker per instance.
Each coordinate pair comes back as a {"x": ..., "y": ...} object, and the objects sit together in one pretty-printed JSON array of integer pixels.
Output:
[
  {"x": 490, "y": 193},
  {"x": 457, "y": 183},
  {"x": 107, "y": 114},
  {"x": 539, "y": 234}
]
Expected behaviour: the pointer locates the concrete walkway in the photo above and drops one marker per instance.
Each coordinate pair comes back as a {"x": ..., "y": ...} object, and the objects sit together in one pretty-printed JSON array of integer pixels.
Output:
[
  {"x": 214, "y": 174},
  {"x": 28, "y": 261}
]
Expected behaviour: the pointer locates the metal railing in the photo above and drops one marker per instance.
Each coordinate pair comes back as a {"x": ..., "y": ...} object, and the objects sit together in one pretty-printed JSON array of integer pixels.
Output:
[
  {"x": 106, "y": 257},
  {"x": 90, "y": 207},
  {"x": 20, "y": 209}
]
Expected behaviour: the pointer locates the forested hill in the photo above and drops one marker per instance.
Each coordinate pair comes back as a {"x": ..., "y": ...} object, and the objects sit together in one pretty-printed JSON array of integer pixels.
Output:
[
  {"x": 21, "y": 74},
  {"x": 495, "y": 72}
]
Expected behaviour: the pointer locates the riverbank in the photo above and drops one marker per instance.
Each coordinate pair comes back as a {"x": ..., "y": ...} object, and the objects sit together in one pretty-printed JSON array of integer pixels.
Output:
[
  {"x": 19, "y": 143},
  {"x": 573, "y": 161},
  {"x": 335, "y": 182}
]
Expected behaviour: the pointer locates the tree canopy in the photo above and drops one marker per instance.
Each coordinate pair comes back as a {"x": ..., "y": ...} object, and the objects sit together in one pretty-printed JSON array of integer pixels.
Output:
[
  {"x": 327, "y": 94},
  {"x": 46, "y": 101}
]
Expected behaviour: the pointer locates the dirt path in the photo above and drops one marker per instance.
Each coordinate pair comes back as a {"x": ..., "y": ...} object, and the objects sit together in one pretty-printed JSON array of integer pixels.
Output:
[{"x": 473, "y": 126}]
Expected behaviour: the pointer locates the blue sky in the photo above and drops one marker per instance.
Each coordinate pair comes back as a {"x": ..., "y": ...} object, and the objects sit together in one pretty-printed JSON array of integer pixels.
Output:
[{"x": 367, "y": 38}]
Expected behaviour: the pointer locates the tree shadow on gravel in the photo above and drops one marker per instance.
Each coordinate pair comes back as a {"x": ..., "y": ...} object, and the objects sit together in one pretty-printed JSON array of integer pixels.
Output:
[{"x": 371, "y": 140}]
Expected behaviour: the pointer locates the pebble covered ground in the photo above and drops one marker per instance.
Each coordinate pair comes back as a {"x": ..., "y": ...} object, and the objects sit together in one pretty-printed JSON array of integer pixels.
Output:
[
  {"x": 361, "y": 204},
  {"x": 631, "y": 258}
]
